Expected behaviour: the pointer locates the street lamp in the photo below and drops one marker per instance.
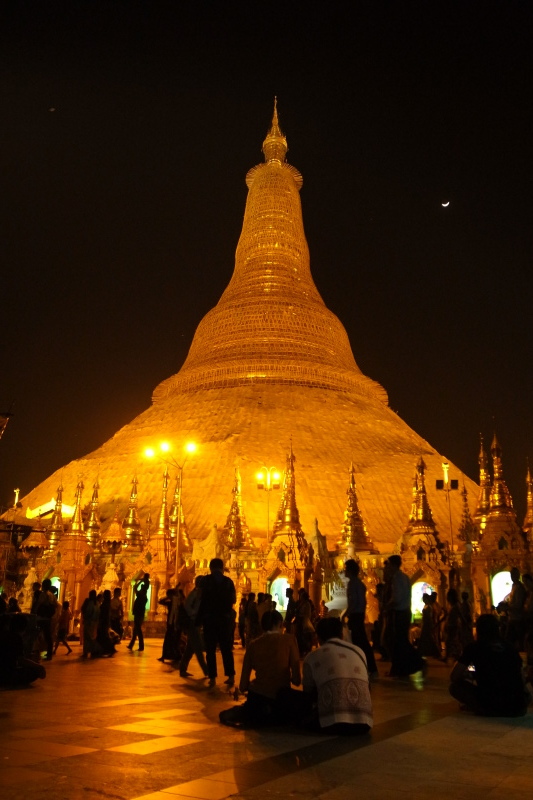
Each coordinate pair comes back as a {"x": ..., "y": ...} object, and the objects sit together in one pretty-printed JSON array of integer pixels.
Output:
[
  {"x": 165, "y": 448},
  {"x": 268, "y": 479},
  {"x": 447, "y": 486}
]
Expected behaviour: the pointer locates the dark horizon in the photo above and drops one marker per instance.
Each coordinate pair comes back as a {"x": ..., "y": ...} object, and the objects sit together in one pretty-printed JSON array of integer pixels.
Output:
[{"x": 128, "y": 131}]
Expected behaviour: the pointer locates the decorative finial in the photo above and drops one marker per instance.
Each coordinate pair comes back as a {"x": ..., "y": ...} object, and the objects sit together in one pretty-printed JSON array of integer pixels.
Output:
[{"x": 275, "y": 145}]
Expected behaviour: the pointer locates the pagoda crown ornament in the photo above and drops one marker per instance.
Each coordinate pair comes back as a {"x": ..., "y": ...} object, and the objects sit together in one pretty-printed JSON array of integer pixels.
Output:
[{"x": 271, "y": 325}]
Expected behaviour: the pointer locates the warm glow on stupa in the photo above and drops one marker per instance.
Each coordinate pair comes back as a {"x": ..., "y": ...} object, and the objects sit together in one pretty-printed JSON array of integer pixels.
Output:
[{"x": 269, "y": 364}]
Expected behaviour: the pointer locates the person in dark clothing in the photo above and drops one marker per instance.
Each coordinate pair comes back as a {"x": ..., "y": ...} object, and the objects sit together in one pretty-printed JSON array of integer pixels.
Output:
[
  {"x": 139, "y": 608},
  {"x": 15, "y": 669},
  {"x": 217, "y": 616},
  {"x": 356, "y": 591},
  {"x": 44, "y": 606},
  {"x": 496, "y": 687},
  {"x": 405, "y": 659},
  {"x": 102, "y": 633}
]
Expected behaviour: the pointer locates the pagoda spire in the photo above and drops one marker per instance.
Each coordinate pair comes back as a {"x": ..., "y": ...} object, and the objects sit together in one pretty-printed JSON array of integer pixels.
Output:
[
  {"x": 354, "y": 535},
  {"x": 56, "y": 527},
  {"x": 485, "y": 484},
  {"x": 287, "y": 528},
  {"x": 468, "y": 530},
  {"x": 271, "y": 325},
  {"x": 131, "y": 522},
  {"x": 275, "y": 144},
  {"x": 500, "y": 498},
  {"x": 177, "y": 523},
  {"x": 93, "y": 523},
  {"x": 163, "y": 527},
  {"x": 235, "y": 532},
  {"x": 76, "y": 526},
  {"x": 528, "y": 519},
  {"x": 421, "y": 520}
]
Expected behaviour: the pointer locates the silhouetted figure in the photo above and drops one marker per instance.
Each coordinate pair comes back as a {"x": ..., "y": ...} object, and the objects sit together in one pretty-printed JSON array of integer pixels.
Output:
[
  {"x": 139, "y": 608},
  {"x": 217, "y": 616},
  {"x": 15, "y": 669},
  {"x": 356, "y": 592},
  {"x": 488, "y": 678},
  {"x": 405, "y": 659},
  {"x": 63, "y": 627}
]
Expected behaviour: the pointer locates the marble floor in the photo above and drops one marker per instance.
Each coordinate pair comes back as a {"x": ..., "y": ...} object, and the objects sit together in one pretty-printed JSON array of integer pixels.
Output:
[{"x": 130, "y": 728}]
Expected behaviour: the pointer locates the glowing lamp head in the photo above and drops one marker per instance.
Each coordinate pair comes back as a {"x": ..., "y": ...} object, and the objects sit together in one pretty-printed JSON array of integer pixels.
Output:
[
  {"x": 149, "y": 452},
  {"x": 165, "y": 447},
  {"x": 276, "y": 477},
  {"x": 190, "y": 447}
]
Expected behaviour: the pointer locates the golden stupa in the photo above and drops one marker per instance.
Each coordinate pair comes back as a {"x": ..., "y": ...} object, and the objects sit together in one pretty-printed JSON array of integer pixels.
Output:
[{"x": 269, "y": 365}]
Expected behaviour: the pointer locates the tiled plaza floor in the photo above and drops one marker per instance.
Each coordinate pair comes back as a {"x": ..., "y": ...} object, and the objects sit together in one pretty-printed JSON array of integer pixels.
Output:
[{"x": 130, "y": 727}]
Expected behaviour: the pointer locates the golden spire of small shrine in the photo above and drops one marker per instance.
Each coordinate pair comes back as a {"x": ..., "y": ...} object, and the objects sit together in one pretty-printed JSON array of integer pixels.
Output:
[
  {"x": 500, "y": 498},
  {"x": 177, "y": 523},
  {"x": 528, "y": 519},
  {"x": 56, "y": 527},
  {"x": 354, "y": 535},
  {"x": 93, "y": 523},
  {"x": 131, "y": 522},
  {"x": 287, "y": 527},
  {"x": 468, "y": 530},
  {"x": 76, "y": 525},
  {"x": 421, "y": 520},
  {"x": 485, "y": 485},
  {"x": 235, "y": 532},
  {"x": 163, "y": 528}
]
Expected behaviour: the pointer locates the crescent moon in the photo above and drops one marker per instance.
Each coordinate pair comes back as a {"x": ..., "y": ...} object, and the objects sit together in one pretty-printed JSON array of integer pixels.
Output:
[{"x": 445, "y": 205}]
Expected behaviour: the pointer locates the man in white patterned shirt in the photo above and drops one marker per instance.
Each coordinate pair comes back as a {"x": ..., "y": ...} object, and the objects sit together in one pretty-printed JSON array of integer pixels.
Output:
[{"x": 337, "y": 674}]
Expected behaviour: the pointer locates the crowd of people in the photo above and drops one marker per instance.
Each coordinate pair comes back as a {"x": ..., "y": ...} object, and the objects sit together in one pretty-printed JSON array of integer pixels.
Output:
[{"x": 329, "y": 657}]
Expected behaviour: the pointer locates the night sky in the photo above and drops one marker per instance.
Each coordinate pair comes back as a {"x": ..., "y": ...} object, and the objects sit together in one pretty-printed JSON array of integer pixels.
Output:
[{"x": 126, "y": 132}]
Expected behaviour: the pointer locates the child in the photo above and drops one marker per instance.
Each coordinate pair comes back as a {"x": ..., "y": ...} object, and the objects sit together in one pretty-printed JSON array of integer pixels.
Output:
[{"x": 63, "y": 627}]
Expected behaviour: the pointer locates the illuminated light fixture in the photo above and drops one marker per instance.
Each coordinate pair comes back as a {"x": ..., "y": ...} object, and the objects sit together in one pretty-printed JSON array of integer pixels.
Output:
[
  {"x": 149, "y": 452},
  {"x": 165, "y": 447},
  {"x": 191, "y": 447}
]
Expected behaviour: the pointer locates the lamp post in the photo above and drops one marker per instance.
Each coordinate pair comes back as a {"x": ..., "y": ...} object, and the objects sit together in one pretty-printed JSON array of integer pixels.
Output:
[
  {"x": 447, "y": 486},
  {"x": 165, "y": 448},
  {"x": 268, "y": 479}
]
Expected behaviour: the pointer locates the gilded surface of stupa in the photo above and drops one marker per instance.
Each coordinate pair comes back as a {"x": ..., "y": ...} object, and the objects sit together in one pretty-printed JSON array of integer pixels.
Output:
[{"x": 269, "y": 363}]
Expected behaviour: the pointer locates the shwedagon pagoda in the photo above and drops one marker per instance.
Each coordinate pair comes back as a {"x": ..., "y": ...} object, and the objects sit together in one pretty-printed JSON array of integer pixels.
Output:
[{"x": 270, "y": 386}]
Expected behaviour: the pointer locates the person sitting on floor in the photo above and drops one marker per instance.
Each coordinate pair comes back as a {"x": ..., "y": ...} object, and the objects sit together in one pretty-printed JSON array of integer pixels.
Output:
[
  {"x": 496, "y": 687},
  {"x": 337, "y": 676},
  {"x": 274, "y": 657},
  {"x": 15, "y": 668}
]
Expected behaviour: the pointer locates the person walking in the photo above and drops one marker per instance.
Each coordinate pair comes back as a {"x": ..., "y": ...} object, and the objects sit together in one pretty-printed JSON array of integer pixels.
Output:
[
  {"x": 139, "y": 608},
  {"x": 356, "y": 592},
  {"x": 194, "y": 644},
  {"x": 63, "y": 627},
  {"x": 217, "y": 616}
]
